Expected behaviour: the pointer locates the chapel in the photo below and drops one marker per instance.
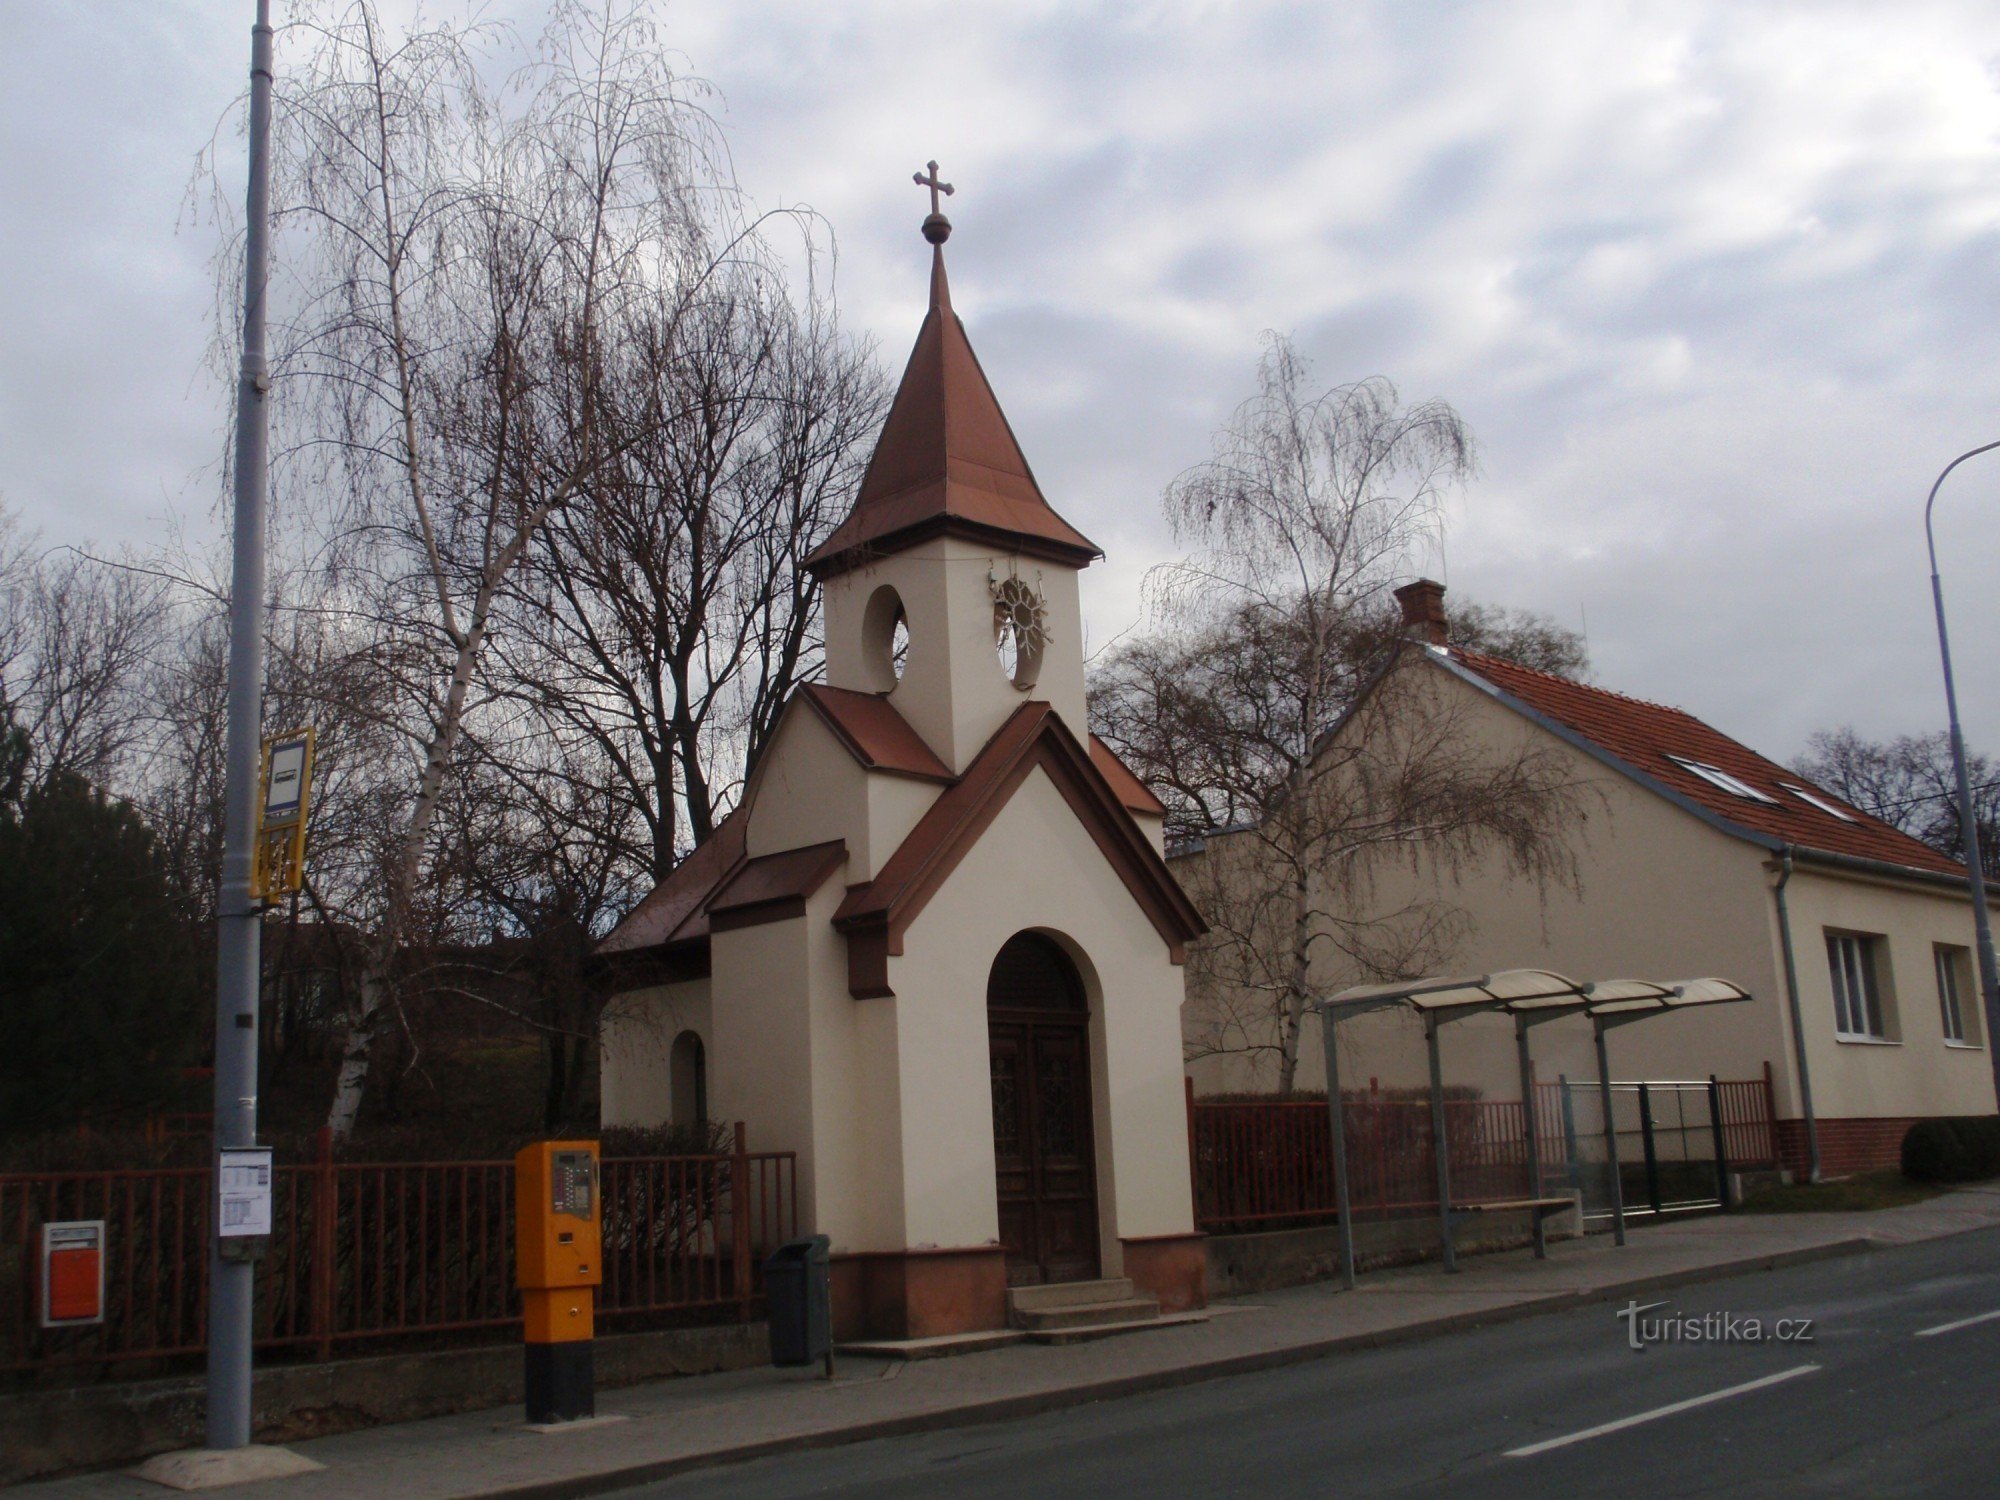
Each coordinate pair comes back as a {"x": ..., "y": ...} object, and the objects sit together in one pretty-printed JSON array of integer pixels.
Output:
[{"x": 935, "y": 950}]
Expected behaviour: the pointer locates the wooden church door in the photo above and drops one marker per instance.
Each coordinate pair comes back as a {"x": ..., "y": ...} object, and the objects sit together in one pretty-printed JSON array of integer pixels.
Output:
[{"x": 1044, "y": 1162}]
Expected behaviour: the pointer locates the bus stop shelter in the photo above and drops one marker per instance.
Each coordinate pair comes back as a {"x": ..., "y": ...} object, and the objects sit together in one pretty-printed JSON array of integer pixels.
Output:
[{"x": 1531, "y": 997}]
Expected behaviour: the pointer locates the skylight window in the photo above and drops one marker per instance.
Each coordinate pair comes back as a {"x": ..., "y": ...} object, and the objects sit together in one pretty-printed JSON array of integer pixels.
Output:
[
  {"x": 1806, "y": 794},
  {"x": 1716, "y": 776}
]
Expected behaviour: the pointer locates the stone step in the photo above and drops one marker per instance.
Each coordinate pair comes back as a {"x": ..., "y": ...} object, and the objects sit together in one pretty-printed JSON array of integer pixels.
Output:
[
  {"x": 1085, "y": 1333},
  {"x": 1088, "y": 1314},
  {"x": 1068, "y": 1293}
]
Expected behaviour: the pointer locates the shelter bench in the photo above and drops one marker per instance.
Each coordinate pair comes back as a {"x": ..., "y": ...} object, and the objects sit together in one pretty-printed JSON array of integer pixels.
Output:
[{"x": 1542, "y": 1208}]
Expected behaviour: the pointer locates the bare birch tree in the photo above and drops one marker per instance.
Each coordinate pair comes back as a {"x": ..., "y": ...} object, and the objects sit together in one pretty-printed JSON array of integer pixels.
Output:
[
  {"x": 1276, "y": 626},
  {"x": 668, "y": 618},
  {"x": 461, "y": 260}
]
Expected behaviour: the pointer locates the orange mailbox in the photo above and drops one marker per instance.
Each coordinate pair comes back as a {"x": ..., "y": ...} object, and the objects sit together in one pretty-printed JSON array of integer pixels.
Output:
[
  {"x": 72, "y": 1273},
  {"x": 557, "y": 1259}
]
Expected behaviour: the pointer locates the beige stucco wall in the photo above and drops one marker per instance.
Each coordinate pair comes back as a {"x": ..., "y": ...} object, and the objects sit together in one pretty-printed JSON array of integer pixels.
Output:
[
  {"x": 953, "y": 691},
  {"x": 807, "y": 790},
  {"x": 1658, "y": 895},
  {"x": 1919, "y": 1073},
  {"x": 1664, "y": 895},
  {"x": 799, "y": 1061},
  {"x": 635, "y": 1040},
  {"x": 1037, "y": 867}
]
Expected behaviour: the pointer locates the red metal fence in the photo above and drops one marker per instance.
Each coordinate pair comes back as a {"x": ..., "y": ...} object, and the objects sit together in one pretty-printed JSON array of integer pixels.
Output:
[
  {"x": 1266, "y": 1164},
  {"x": 372, "y": 1253}
]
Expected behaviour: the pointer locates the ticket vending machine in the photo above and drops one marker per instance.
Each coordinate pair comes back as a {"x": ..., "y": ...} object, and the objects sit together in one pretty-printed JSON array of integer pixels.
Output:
[{"x": 558, "y": 1264}]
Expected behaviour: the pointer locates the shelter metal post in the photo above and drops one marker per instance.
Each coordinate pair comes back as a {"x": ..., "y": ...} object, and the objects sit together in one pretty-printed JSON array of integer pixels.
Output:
[
  {"x": 1652, "y": 1150},
  {"x": 1440, "y": 1145},
  {"x": 1337, "y": 1121},
  {"x": 1532, "y": 1133},
  {"x": 1610, "y": 1133},
  {"x": 1721, "y": 1143}
]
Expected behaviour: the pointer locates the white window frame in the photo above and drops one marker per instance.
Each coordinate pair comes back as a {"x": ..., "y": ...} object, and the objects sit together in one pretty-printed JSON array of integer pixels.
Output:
[
  {"x": 1807, "y": 794},
  {"x": 1853, "y": 960},
  {"x": 1717, "y": 777},
  {"x": 1952, "y": 962}
]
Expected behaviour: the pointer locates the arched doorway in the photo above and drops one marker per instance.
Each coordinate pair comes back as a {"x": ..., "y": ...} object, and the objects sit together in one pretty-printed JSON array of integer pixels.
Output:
[{"x": 1043, "y": 1159}]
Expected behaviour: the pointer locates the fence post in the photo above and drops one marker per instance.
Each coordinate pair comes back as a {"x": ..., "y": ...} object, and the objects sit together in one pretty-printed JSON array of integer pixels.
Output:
[
  {"x": 1570, "y": 1159},
  {"x": 325, "y": 1208},
  {"x": 1771, "y": 1115},
  {"x": 1652, "y": 1155},
  {"x": 1194, "y": 1167},
  {"x": 1721, "y": 1146},
  {"x": 739, "y": 1198}
]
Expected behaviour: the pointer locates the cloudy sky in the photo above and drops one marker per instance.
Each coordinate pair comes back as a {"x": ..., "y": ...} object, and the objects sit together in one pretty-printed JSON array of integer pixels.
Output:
[{"x": 1715, "y": 284}]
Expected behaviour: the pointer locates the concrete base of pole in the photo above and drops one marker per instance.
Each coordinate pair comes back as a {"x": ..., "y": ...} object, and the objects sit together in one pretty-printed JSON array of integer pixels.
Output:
[
  {"x": 579, "y": 1424},
  {"x": 217, "y": 1468}
]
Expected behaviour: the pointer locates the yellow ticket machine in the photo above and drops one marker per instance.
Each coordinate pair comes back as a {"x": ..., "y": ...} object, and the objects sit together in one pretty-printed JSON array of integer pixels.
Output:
[{"x": 558, "y": 1263}]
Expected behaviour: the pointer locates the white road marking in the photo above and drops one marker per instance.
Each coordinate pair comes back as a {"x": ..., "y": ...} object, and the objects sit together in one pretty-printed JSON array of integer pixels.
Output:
[
  {"x": 1924, "y": 1333},
  {"x": 1657, "y": 1412}
]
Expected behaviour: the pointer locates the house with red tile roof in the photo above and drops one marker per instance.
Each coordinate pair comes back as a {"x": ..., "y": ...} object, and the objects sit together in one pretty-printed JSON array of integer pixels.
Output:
[
  {"x": 1700, "y": 856},
  {"x": 936, "y": 949}
]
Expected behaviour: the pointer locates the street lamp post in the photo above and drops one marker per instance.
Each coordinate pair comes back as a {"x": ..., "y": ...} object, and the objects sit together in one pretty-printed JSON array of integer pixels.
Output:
[
  {"x": 1989, "y": 972},
  {"x": 239, "y": 917}
]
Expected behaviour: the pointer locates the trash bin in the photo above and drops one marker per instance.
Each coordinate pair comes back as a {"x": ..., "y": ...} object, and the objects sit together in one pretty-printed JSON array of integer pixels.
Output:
[{"x": 797, "y": 1284}]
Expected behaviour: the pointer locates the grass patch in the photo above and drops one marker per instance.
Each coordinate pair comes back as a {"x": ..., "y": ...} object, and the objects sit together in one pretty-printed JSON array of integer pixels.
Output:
[{"x": 1888, "y": 1188}]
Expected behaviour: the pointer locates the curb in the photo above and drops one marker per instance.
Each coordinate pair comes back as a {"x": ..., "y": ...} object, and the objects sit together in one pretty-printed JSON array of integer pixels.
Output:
[{"x": 1036, "y": 1403}]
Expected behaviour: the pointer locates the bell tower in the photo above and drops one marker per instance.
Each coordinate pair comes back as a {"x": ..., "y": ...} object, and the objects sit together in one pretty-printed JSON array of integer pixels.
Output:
[{"x": 951, "y": 587}]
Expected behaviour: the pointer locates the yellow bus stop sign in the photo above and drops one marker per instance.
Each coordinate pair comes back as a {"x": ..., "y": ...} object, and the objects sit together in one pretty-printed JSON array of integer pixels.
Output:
[{"x": 282, "y": 807}]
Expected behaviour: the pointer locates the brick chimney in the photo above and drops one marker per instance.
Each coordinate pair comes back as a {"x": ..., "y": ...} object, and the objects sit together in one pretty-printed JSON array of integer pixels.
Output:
[{"x": 1423, "y": 611}]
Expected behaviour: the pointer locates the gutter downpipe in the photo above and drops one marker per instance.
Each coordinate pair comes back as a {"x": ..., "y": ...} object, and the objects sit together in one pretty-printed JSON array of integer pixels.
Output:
[{"x": 1798, "y": 1018}]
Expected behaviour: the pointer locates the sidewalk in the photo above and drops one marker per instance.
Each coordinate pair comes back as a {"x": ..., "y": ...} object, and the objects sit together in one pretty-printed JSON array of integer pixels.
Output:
[{"x": 671, "y": 1426}]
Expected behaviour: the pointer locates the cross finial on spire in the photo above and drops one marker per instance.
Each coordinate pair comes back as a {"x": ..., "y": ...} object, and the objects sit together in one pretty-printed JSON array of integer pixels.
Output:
[{"x": 937, "y": 228}]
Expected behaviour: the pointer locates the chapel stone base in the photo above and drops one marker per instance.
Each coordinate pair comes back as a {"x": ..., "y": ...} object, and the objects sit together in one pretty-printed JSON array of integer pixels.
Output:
[
  {"x": 1170, "y": 1267},
  {"x": 918, "y": 1294}
]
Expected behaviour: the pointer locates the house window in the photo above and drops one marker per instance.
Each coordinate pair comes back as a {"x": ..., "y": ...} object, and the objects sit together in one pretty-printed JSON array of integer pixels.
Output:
[
  {"x": 1857, "y": 993},
  {"x": 1957, "y": 996}
]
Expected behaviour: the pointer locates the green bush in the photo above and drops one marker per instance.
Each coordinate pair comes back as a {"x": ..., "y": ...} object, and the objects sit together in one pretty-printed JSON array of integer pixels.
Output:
[{"x": 1958, "y": 1148}]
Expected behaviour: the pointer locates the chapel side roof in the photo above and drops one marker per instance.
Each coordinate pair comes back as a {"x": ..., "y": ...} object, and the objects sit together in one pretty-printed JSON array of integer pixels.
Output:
[
  {"x": 1643, "y": 735},
  {"x": 718, "y": 888},
  {"x": 716, "y": 875},
  {"x": 773, "y": 886},
  {"x": 1129, "y": 789},
  {"x": 874, "y": 916},
  {"x": 874, "y": 733},
  {"x": 947, "y": 462},
  {"x": 676, "y": 910}
]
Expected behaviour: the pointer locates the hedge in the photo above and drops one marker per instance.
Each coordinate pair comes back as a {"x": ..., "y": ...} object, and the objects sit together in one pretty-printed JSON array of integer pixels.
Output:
[{"x": 1956, "y": 1148}]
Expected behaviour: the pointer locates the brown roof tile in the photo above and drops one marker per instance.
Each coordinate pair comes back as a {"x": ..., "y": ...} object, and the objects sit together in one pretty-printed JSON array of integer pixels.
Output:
[
  {"x": 1131, "y": 791},
  {"x": 1643, "y": 735},
  {"x": 875, "y": 916},
  {"x": 677, "y": 909},
  {"x": 947, "y": 461},
  {"x": 773, "y": 886},
  {"x": 875, "y": 733}
]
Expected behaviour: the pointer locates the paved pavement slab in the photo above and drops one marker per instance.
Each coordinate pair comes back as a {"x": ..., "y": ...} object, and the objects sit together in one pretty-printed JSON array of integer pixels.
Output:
[{"x": 675, "y": 1425}]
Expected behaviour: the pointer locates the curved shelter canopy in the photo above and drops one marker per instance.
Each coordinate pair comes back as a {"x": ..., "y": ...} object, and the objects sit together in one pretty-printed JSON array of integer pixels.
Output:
[
  {"x": 1530, "y": 996},
  {"x": 1508, "y": 988},
  {"x": 1530, "y": 991}
]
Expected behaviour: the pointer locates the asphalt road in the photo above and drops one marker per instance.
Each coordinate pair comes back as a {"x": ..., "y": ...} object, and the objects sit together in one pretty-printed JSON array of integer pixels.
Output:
[{"x": 1872, "y": 1405}]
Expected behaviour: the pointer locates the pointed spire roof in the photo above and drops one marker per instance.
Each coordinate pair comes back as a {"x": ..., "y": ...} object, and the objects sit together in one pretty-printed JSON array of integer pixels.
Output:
[{"x": 947, "y": 462}]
